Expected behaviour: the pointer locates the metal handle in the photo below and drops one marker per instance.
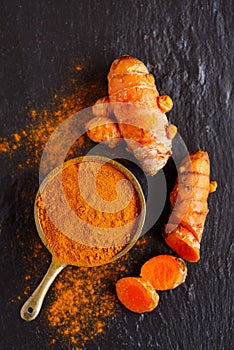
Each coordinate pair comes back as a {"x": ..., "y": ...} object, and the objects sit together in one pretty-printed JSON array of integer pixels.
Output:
[{"x": 32, "y": 306}]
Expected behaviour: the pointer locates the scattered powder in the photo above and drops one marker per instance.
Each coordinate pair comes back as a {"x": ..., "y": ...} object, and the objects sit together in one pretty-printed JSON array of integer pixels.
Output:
[
  {"x": 79, "y": 67},
  {"x": 81, "y": 300},
  {"x": 40, "y": 124},
  {"x": 84, "y": 299}
]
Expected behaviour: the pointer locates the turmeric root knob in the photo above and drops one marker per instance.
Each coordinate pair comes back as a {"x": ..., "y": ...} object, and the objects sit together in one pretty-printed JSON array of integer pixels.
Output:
[
  {"x": 165, "y": 103},
  {"x": 171, "y": 131},
  {"x": 102, "y": 129},
  {"x": 213, "y": 186},
  {"x": 101, "y": 108}
]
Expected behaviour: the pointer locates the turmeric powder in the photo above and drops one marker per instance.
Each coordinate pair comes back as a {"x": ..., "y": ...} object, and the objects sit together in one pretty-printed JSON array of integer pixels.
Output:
[
  {"x": 30, "y": 140},
  {"x": 97, "y": 236}
]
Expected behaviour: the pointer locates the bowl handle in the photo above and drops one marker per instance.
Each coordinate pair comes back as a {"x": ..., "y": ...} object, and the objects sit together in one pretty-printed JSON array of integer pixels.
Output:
[{"x": 32, "y": 306}]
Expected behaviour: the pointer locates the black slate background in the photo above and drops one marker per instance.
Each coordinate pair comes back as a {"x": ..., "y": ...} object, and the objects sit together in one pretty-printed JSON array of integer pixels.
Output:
[{"x": 190, "y": 47}]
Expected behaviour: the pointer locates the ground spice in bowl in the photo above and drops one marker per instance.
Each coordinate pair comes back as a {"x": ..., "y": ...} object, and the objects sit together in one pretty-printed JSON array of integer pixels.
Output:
[{"x": 98, "y": 236}]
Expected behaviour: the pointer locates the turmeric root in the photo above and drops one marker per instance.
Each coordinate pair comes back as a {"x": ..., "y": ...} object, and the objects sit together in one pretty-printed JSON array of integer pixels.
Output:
[
  {"x": 102, "y": 129},
  {"x": 183, "y": 242},
  {"x": 102, "y": 107},
  {"x": 164, "y": 272},
  {"x": 136, "y": 294},
  {"x": 183, "y": 233},
  {"x": 140, "y": 113}
]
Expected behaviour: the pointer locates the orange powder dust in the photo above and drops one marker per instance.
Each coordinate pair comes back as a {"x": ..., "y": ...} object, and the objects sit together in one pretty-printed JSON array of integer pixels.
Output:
[
  {"x": 98, "y": 235},
  {"x": 84, "y": 300},
  {"x": 79, "y": 67},
  {"x": 31, "y": 140}
]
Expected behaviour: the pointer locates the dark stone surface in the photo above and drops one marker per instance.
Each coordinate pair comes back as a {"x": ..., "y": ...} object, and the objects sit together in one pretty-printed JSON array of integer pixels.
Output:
[{"x": 188, "y": 45}]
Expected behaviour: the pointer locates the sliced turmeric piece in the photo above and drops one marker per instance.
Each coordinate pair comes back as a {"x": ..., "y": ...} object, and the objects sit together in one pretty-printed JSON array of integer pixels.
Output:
[
  {"x": 183, "y": 242},
  {"x": 164, "y": 272},
  {"x": 136, "y": 294}
]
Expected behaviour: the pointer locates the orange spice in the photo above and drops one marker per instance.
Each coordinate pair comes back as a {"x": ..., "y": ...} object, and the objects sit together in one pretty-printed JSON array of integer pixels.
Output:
[
  {"x": 83, "y": 300},
  {"x": 69, "y": 318},
  {"x": 79, "y": 67},
  {"x": 98, "y": 235},
  {"x": 31, "y": 139},
  {"x": 81, "y": 304}
]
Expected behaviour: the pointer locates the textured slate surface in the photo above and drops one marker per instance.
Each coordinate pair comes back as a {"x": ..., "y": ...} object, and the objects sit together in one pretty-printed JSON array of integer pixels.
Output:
[{"x": 190, "y": 46}]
